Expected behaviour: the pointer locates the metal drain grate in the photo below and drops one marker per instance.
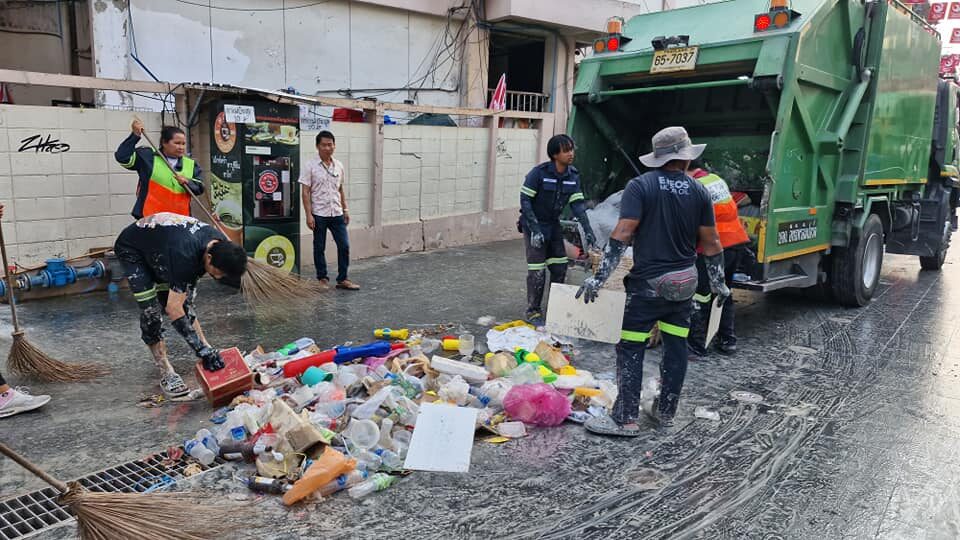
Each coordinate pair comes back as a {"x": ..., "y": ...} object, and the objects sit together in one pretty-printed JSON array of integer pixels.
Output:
[{"x": 31, "y": 513}]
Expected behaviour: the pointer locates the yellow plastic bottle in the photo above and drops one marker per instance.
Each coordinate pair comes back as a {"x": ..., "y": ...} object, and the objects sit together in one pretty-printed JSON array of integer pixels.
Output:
[{"x": 388, "y": 333}]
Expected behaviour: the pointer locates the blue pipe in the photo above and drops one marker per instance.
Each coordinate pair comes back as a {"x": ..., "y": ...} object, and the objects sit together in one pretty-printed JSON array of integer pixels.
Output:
[{"x": 60, "y": 274}]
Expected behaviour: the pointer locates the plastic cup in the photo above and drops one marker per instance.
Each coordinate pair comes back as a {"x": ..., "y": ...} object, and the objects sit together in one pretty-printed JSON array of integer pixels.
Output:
[
  {"x": 466, "y": 344},
  {"x": 364, "y": 434}
]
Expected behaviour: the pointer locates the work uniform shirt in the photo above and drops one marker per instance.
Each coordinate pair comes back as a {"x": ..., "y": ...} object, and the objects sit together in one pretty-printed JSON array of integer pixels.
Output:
[
  {"x": 671, "y": 208},
  {"x": 140, "y": 159},
  {"x": 171, "y": 247},
  {"x": 548, "y": 192},
  {"x": 324, "y": 183}
]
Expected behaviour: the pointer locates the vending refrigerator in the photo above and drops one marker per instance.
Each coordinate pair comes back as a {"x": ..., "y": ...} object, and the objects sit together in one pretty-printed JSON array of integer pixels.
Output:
[{"x": 254, "y": 167}]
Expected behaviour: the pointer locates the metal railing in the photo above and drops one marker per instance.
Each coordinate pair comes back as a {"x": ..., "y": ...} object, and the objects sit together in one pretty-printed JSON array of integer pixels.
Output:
[{"x": 524, "y": 101}]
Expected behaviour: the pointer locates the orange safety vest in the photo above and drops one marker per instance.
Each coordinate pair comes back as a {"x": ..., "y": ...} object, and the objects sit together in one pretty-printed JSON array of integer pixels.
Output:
[
  {"x": 724, "y": 211},
  {"x": 164, "y": 193}
]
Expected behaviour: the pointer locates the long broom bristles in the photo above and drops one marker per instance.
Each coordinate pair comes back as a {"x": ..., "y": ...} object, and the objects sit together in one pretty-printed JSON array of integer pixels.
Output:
[
  {"x": 262, "y": 283},
  {"x": 157, "y": 516},
  {"x": 28, "y": 361}
]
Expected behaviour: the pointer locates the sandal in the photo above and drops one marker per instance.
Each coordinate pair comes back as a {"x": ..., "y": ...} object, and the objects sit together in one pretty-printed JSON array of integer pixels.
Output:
[
  {"x": 173, "y": 386},
  {"x": 604, "y": 425}
]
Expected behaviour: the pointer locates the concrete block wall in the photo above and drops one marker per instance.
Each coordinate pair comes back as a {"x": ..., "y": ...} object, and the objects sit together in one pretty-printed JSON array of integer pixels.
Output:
[
  {"x": 64, "y": 203},
  {"x": 516, "y": 154}
]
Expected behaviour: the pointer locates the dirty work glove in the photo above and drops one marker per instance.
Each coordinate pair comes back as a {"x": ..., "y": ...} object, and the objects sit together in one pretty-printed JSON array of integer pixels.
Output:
[
  {"x": 611, "y": 259},
  {"x": 589, "y": 289},
  {"x": 718, "y": 284},
  {"x": 536, "y": 239},
  {"x": 211, "y": 359},
  {"x": 589, "y": 237}
]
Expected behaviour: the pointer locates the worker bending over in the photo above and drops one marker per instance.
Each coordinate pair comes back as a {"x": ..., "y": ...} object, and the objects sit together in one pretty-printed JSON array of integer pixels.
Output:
[
  {"x": 547, "y": 190},
  {"x": 163, "y": 256},
  {"x": 664, "y": 213}
]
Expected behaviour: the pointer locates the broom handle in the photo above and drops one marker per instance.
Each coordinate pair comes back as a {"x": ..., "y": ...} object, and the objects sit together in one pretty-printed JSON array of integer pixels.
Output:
[
  {"x": 216, "y": 222},
  {"x": 9, "y": 277},
  {"x": 40, "y": 473}
]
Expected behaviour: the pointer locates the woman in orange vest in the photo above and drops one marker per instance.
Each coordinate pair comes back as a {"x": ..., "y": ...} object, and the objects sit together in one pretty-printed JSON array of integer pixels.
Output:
[
  {"x": 160, "y": 189},
  {"x": 734, "y": 239}
]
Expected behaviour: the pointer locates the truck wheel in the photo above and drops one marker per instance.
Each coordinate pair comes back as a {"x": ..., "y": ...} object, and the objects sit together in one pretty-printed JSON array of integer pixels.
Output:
[
  {"x": 936, "y": 261},
  {"x": 856, "y": 268}
]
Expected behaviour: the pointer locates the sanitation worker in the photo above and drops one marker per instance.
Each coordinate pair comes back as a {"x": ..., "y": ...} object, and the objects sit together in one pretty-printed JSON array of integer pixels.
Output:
[
  {"x": 159, "y": 188},
  {"x": 664, "y": 214},
  {"x": 163, "y": 256},
  {"x": 547, "y": 190},
  {"x": 734, "y": 240}
]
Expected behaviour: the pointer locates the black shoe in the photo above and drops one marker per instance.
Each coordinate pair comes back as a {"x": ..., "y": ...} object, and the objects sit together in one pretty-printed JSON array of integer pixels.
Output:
[
  {"x": 696, "y": 351},
  {"x": 659, "y": 417},
  {"x": 728, "y": 349}
]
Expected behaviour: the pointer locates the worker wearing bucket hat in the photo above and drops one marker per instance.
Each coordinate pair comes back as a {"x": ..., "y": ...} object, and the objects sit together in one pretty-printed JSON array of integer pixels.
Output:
[{"x": 664, "y": 213}]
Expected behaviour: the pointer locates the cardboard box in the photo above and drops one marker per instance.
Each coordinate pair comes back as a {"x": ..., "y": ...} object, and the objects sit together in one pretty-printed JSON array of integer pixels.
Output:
[{"x": 223, "y": 385}]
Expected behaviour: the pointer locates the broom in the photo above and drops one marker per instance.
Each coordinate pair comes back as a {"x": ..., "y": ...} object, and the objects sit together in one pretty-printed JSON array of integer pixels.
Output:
[
  {"x": 27, "y": 360},
  {"x": 261, "y": 282},
  {"x": 108, "y": 516}
]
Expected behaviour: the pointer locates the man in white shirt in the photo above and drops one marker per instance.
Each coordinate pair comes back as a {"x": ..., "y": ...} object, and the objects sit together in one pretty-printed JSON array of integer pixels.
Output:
[{"x": 326, "y": 208}]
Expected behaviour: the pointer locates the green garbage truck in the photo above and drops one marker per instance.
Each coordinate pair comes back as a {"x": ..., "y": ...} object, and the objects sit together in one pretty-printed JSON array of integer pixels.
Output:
[{"x": 829, "y": 114}]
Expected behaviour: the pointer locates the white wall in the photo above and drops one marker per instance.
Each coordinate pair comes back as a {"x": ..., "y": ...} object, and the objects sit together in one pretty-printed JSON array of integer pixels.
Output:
[
  {"x": 62, "y": 204},
  {"x": 321, "y": 48}
]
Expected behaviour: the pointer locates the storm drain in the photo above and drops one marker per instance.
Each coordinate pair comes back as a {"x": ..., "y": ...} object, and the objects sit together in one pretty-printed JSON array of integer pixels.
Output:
[{"x": 28, "y": 514}]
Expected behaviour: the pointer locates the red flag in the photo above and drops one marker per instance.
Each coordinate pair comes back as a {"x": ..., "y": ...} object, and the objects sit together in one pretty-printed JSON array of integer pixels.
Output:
[
  {"x": 498, "y": 101},
  {"x": 938, "y": 10},
  {"x": 955, "y": 35},
  {"x": 954, "y": 10}
]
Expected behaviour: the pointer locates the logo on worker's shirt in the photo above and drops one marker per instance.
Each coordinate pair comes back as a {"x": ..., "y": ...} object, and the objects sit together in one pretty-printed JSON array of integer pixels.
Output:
[
  {"x": 718, "y": 192},
  {"x": 677, "y": 187}
]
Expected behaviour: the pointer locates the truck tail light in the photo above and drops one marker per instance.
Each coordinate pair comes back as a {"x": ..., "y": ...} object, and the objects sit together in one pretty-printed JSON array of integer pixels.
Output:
[
  {"x": 613, "y": 44},
  {"x": 761, "y": 22}
]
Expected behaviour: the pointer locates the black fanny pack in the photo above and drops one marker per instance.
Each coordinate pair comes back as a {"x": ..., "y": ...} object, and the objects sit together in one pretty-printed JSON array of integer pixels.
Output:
[{"x": 675, "y": 286}]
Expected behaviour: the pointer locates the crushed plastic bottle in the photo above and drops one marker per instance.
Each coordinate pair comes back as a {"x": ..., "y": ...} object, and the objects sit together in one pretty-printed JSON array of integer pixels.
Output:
[
  {"x": 342, "y": 482},
  {"x": 378, "y": 482}
]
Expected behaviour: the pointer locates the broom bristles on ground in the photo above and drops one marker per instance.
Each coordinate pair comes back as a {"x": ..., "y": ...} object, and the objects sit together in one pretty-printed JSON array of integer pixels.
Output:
[
  {"x": 157, "y": 516},
  {"x": 263, "y": 283},
  {"x": 27, "y": 360}
]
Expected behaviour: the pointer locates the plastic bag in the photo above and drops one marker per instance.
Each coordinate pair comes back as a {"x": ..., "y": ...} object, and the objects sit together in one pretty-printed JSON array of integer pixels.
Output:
[
  {"x": 455, "y": 391},
  {"x": 525, "y": 374},
  {"x": 538, "y": 404}
]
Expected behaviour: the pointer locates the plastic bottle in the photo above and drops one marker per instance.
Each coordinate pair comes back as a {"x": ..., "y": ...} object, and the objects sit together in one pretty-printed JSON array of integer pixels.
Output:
[
  {"x": 196, "y": 449},
  {"x": 399, "y": 380},
  {"x": 370, "y": 406},
  {"x": 390, "y": 459},
  {"x": 342, "y": 482},
  {"x": 377, "y": 482},
  {"x": 296, "y": 346},
  {"x": 386, "y": 433},
  {"x": 450, "y": 344},
  {"x": 368, "y": 461},
  {"x": 246, "y": 451},
  {"x": 262, "y": 484}
]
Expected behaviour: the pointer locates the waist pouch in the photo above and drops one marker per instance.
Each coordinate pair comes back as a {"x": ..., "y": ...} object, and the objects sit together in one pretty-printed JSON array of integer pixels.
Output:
[{"x": 675, "y": 286}]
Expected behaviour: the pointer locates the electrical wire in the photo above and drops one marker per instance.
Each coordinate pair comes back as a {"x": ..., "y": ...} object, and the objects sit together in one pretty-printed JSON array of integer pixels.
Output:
[{"x": 252, "y": 10}]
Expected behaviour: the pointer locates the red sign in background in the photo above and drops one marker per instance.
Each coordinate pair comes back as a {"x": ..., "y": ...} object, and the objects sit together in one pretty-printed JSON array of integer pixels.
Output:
[
  {"x": 949, "y": 63},
  {"x": 938, "y": 10}
]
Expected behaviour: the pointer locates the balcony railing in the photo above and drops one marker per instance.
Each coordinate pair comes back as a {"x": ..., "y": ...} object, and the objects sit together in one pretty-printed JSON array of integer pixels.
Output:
[{"x": 524, "y": 101}]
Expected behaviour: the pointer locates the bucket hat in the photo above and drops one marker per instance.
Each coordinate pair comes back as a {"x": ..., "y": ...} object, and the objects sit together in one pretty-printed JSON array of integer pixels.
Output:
[{"x": 671, "y": 143}]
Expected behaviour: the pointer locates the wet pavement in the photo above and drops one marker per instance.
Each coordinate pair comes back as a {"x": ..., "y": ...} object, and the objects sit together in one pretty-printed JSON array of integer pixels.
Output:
[{"x": 854, "y": 435}]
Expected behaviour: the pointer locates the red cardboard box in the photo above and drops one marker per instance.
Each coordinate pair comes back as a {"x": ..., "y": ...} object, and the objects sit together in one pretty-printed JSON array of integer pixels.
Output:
[{"x": 223, "y": 385}]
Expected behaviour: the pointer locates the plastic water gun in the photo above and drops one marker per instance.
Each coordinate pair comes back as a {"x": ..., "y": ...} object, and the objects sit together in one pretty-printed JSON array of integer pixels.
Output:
[
  {"x": 512, "y": 324},
  {"x": 377, "y": 348},
  {"x": 388, "y": 333},
  {"x": 296, "y": 367}
]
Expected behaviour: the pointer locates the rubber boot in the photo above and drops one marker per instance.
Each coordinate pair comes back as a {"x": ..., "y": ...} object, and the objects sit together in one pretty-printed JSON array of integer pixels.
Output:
[
  {"x": 536, "y": 280},
  {"x": 698, "y": 329}
]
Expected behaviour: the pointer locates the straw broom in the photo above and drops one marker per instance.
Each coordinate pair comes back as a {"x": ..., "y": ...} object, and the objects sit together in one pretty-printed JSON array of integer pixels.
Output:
[
  {"x": 261, "y": 282},
  {"x": 26, "y": 359},
  {"x": 112, "y": 516}
]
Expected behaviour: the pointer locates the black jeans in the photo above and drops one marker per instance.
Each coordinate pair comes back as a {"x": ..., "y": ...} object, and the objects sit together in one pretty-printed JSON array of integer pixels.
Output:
[
  {"x": 338, "y": 229},
  {"x": 551, "y": 255},
  {"x": 640, "y": 314}
]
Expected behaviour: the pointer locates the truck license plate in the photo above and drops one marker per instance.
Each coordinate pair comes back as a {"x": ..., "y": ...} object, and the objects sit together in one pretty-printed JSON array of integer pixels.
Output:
[
  {"x": 678, "y": 59},
  {"x": 790, "y": 232}
]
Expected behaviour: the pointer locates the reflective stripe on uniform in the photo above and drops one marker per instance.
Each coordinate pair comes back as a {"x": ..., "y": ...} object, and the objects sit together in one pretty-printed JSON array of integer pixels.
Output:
[
  {"x": 673, "y": 329},
  {"x": 524, "y": 190},
  {"x": 129, "y": 164},
  {"x": 557, "y": 260},
  {"x": 163, "y": 287},
  {"x": 576, "y": 197},
  {"x": 536, "y": 266},
  {"x": 148, "y": 294},
  {"x": 630, "y": 335},
  {"x": 702, "y": 298}
]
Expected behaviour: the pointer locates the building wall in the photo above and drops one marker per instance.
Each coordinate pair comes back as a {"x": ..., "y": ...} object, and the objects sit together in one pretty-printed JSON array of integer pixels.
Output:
[{"x": 62, "y": 204}]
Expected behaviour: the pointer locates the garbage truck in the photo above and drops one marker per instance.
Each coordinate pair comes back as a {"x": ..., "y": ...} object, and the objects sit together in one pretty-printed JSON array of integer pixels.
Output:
[{"x": 829, "y": 114}]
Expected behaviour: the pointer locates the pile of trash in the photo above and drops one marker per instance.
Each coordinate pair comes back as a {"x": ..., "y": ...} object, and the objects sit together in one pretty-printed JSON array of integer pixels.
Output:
[{"x": 318, "y": 422}]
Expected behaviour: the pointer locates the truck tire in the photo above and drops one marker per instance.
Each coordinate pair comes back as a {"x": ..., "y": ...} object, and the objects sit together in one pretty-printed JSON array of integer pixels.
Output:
[
  {"x": 936, "y": 261},
  {"x": 856, "y": 268}
]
